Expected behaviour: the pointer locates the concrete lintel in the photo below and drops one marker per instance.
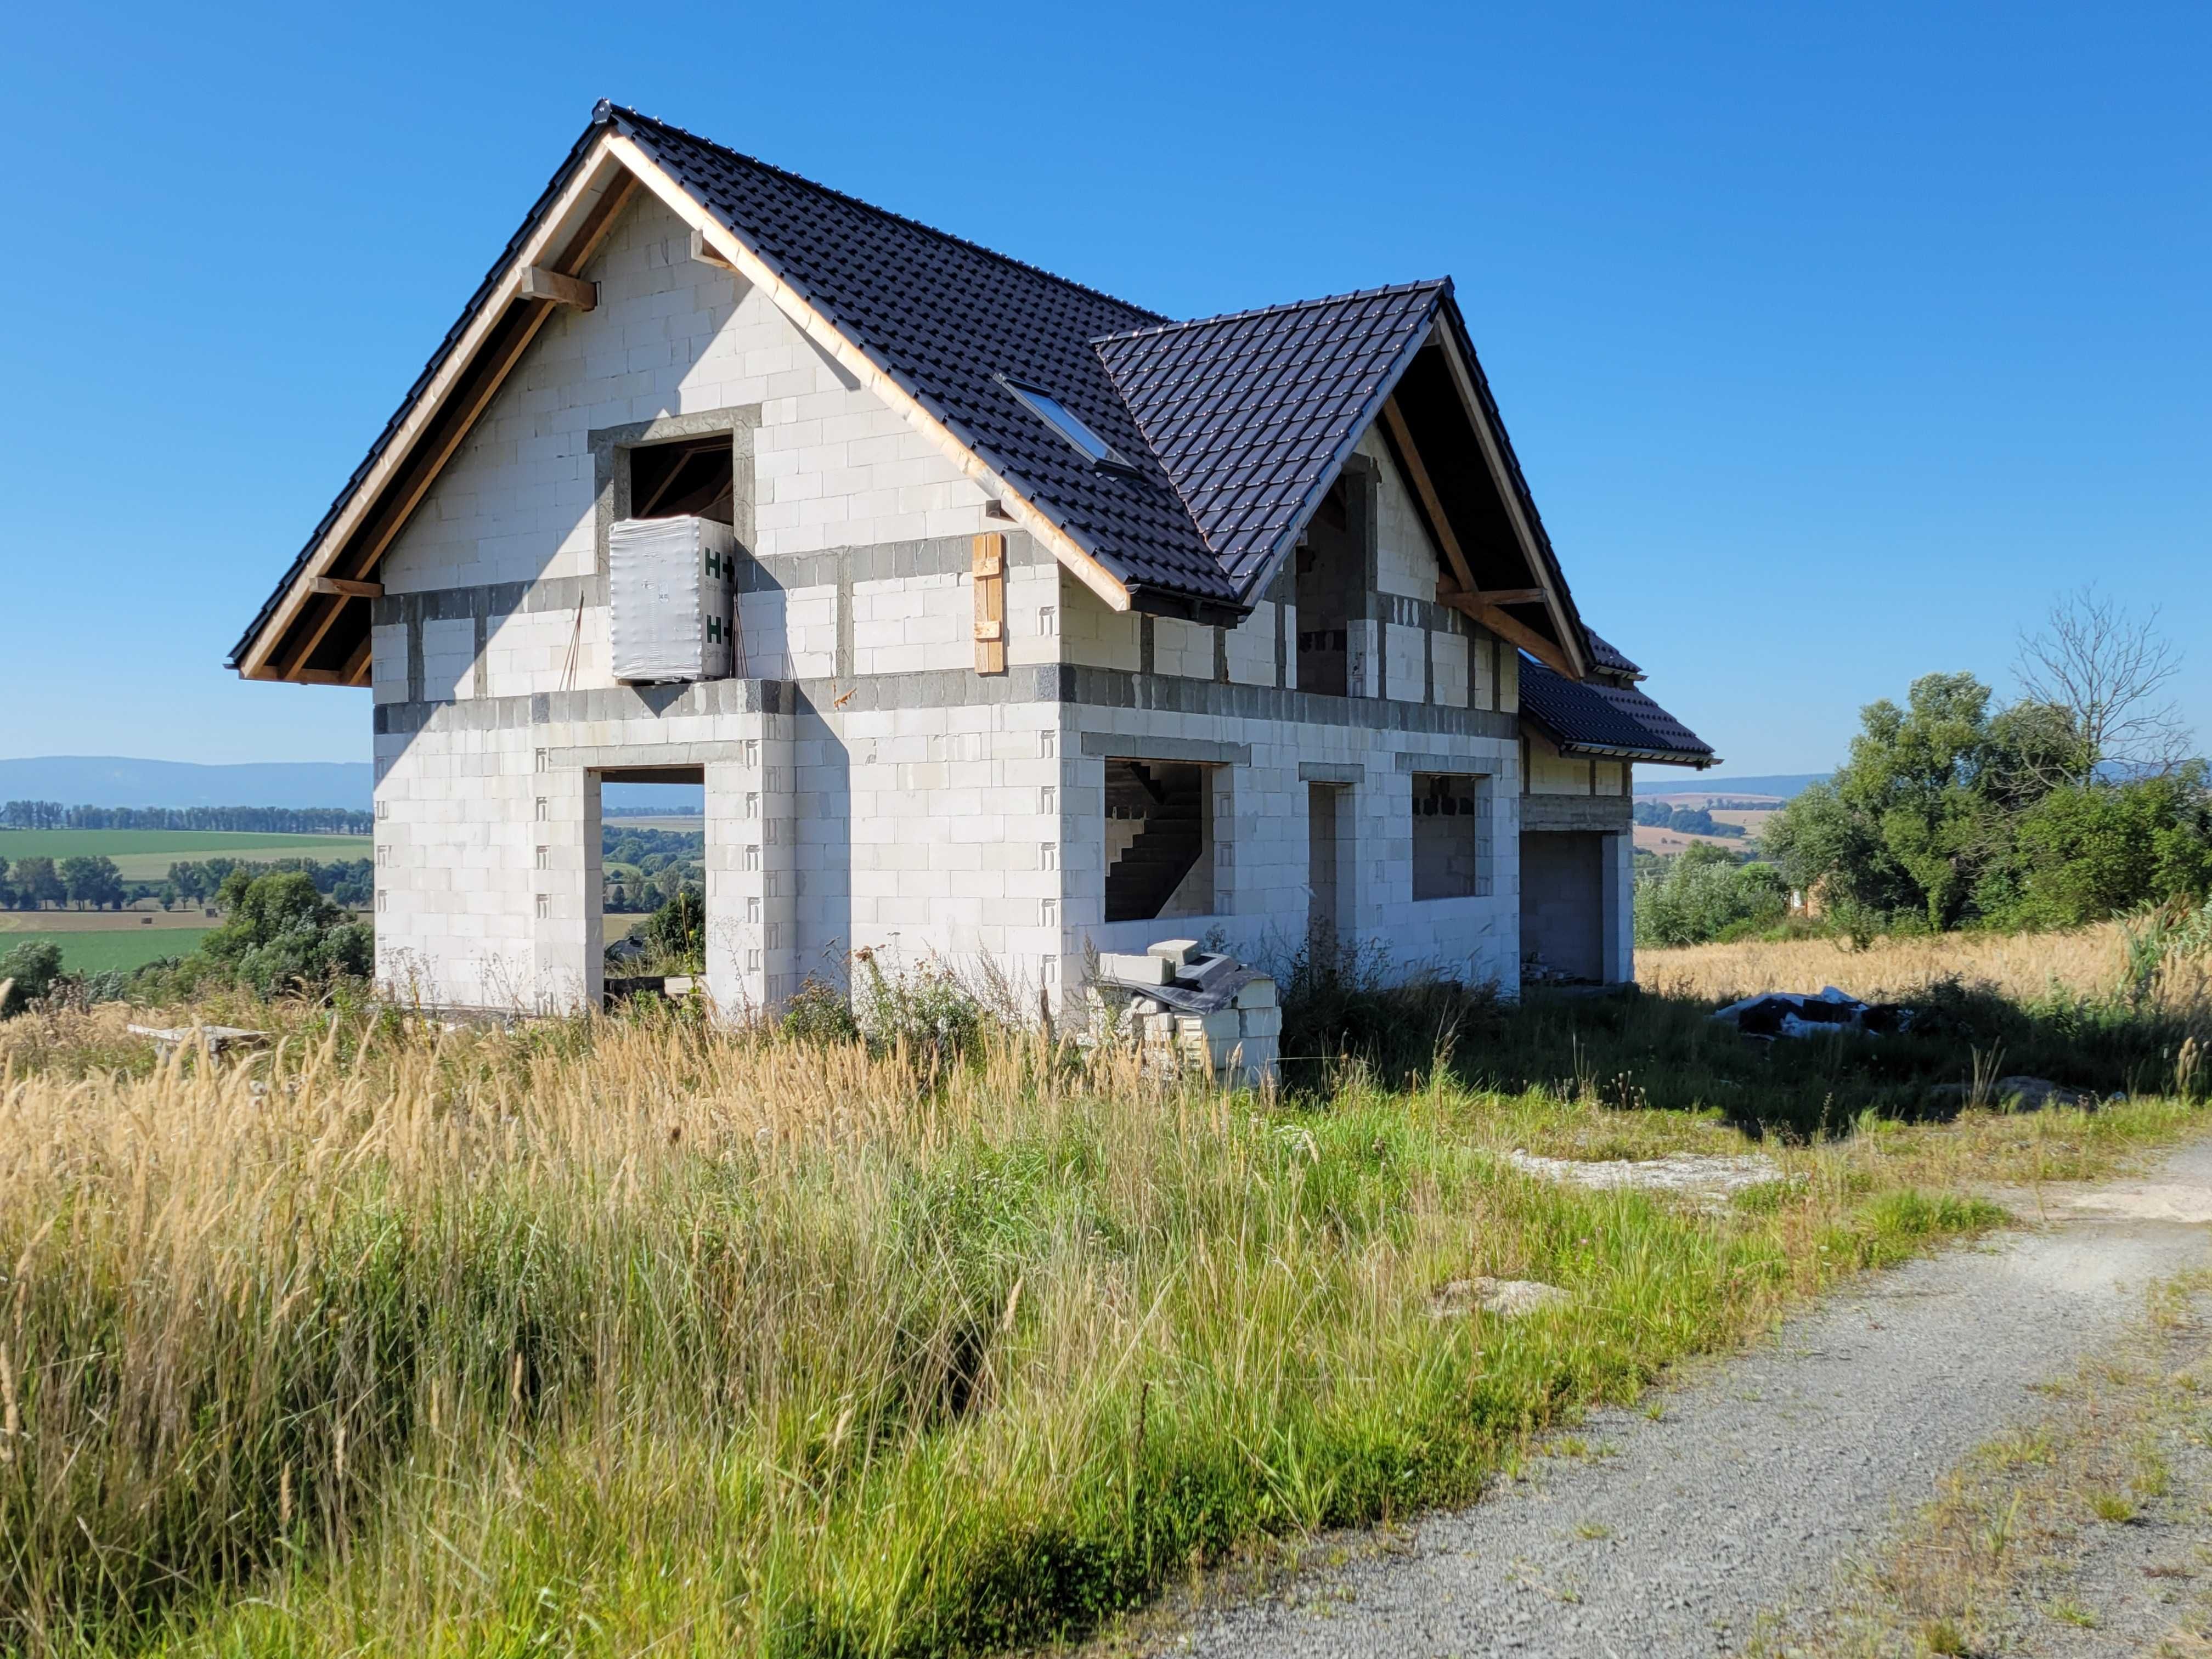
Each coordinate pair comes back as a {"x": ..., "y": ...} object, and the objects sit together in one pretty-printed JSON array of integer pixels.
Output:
[
  {"x": 1457, "y": 765},
  {"x": 1332, "y": 772},
  {"x": 1124, "y": 745}
]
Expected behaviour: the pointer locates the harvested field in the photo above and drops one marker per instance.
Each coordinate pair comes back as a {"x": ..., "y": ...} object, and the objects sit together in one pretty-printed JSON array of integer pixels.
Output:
[
  {"x": 146, "y": 854},
  {"x": 2023, "y": 966}
]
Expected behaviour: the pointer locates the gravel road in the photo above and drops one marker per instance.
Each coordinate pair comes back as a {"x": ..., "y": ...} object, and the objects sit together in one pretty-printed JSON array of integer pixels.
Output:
[{"x": 1765, "y": 1474}]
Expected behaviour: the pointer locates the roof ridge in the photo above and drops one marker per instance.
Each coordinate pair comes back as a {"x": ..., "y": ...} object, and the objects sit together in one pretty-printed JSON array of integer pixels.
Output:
[
  {"x": 1169, "y": 327},
  {"x": 608, "y": 108}
]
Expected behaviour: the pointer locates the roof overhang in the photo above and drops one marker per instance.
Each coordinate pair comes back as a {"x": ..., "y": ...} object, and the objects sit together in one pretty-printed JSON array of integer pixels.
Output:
[{"x": 313, "y": 627}]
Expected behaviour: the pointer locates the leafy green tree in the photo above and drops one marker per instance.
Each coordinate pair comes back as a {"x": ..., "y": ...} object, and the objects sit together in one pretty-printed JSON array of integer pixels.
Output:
[
  {"x": 677, "y": 930},
  {"x": 2089, "y": 851},
  {"x": 279, "y": 934},
  {"x": 1702, "y": 894},
  {"x": 33, "y": 966},
  {"x": 7, "y": 889},
  {"x": 38, "y": 884},
  {"x": 93, "y": 881}
]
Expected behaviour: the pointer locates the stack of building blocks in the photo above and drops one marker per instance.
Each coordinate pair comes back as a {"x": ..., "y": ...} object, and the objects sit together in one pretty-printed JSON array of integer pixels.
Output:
[{"x": 1215, "y": 1014}]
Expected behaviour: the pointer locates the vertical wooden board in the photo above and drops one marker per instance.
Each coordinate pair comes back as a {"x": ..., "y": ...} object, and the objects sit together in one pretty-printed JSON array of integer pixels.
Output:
[{"x": 988, "y": 572}]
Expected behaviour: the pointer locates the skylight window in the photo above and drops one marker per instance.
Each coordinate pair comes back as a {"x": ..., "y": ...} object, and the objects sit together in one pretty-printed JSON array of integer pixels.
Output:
[{"x": 1065, "y": 421}]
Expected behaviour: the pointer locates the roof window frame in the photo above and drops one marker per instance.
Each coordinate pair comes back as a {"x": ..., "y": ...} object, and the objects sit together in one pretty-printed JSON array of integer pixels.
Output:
[{"x": 1069, "y": 427}]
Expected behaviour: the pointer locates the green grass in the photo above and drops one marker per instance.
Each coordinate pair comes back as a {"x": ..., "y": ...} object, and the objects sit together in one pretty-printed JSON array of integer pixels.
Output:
[
  {"x": 146, "y": 854},
  {"x": 117, "y": 949},
  {"x": 610, "y": 1336}
]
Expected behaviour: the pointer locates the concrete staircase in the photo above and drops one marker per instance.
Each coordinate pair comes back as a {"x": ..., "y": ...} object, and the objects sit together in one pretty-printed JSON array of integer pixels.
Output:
[{"x": 1145, "y": 877}]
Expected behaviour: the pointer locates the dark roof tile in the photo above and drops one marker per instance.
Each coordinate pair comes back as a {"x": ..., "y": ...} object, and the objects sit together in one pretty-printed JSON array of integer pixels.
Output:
[{"x": 1593, "y": 717}]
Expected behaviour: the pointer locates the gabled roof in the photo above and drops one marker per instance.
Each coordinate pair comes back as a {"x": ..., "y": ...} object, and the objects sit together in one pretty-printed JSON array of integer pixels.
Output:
[
  {"x": 1601, "y": 717},
  {"x": 945, "y": 319},
  {"x": 1226, "y": 431},
  {"x": 1252, "y": 415}
]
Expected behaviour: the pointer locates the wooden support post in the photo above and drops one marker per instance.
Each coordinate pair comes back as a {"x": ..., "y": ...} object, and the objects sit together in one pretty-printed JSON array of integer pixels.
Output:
[
  {"x": 345, "y": 588},
  {"x": 988, "y": 568},
  {"x": 539, "y": 283}
]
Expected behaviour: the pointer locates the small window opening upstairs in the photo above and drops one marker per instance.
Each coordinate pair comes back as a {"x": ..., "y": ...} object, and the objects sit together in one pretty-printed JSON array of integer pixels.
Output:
[
  {"x": 1449, "y": 829},
  {"x": 1159, "y": 840},
  {"x": 1331, "y": 575},
  {"x": 696, "y": 479},
  {"x": 1067, "y": 422}
]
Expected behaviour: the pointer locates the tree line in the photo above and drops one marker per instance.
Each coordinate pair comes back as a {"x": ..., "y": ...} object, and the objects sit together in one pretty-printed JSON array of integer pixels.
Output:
[
  {"x": 2075, "y": 801},
  {"x": 1684, "y": 820},
  {"x": 92, "y": 882},
  {"x": 260, "y": 820}
]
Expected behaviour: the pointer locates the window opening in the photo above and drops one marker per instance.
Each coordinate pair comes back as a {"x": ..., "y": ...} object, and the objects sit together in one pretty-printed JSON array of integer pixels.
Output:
[
  {"x": 1159, "y": 840},
  {"x": 1448, "y": 826},
  {"x": 696, "y": 478},
  {"x": 1067, "y": 422},
  {"x": 1331, "y": 568}
]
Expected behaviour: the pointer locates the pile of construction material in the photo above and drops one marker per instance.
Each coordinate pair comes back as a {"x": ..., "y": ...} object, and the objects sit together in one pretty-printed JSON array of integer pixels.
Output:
[
  {"x": 1189, "y": 1008},
  {"x": 1773, "y": 1014}
]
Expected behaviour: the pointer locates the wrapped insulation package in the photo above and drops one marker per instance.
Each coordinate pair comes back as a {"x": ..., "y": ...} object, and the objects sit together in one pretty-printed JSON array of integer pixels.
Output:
[{"x": 669, "y": 583}]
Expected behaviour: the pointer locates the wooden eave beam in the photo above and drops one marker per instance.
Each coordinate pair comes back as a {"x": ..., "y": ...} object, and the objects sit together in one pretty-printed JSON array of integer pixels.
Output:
[
  {"x": 345, "y": 587},
  {"x": 539, "y": 283},
  {"x": 1467, "y": 598}
]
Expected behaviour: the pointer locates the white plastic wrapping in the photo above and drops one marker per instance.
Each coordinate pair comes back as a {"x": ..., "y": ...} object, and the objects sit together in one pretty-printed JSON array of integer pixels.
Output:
[{"x": 668, "y": 592}]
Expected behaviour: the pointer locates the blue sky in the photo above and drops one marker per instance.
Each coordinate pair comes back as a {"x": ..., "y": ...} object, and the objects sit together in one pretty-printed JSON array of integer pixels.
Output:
[{"x": 1836, "y": 343}]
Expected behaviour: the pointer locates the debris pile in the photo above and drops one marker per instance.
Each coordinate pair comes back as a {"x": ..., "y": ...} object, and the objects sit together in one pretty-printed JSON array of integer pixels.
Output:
[
  {"x": 2020, "y": 1094},
  {"x": 1710, "y": 1178},
  {"x": 1787, "y": 1013},
  {"x": 1186, "y": 1006},
  {"x": 1508, "y": 1298}
]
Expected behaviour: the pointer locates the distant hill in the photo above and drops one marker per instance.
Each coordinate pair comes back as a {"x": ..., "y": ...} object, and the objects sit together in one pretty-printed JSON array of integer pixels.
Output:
[
  {"x": 117, "y": 781},
  {"x": 1706, "y": 783}
]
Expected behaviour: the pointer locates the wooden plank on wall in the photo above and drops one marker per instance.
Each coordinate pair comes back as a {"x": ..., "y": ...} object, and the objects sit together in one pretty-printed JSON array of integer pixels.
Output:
[{"x": 987, "y": 572}]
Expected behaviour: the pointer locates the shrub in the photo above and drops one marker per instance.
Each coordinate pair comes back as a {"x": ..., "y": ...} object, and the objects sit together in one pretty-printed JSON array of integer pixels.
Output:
[
  {"x": 925, "y": 1007},
  {"x": 281, "y": 935},
  {"x": 34, "y": 967},
  {"x": 1702, "y": 894},
  {"x": 820, "y": 1013}
]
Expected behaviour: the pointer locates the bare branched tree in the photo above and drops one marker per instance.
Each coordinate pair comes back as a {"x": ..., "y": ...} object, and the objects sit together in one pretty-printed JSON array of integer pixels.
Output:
[{"x": 2108, "y": 669}]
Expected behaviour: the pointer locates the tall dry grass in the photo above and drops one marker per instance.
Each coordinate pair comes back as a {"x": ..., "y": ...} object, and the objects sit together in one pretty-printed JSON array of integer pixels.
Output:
[
  {"x": 605, "y": 1337},
  {"x": 2090, "y": 962}
]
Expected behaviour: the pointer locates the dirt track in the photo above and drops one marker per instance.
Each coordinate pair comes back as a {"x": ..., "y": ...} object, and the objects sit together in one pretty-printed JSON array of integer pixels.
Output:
[{"x": 1769, "y": 1472}]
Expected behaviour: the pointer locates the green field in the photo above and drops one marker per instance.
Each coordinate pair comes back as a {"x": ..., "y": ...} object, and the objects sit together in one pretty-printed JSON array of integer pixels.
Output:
[
  {"x": 113, "y": 949},
  {"x": 146, "y": 854}
]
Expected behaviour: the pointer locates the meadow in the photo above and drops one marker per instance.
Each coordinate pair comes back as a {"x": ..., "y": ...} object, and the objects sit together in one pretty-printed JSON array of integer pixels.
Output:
[
  {"x": 146, "y": 854},
  {"x": 623, "y": 1333},
  {"x": 122, "y": 947}
]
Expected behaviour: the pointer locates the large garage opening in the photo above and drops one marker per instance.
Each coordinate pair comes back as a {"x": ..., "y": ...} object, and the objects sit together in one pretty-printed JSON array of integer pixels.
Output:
[{"x": 1562, "y": 907}]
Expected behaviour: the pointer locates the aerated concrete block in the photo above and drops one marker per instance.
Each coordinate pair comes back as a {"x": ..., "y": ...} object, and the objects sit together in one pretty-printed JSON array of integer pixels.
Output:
[
  {"x": 1150, "y": 969},
  {"x": 1174, "y": 950}
]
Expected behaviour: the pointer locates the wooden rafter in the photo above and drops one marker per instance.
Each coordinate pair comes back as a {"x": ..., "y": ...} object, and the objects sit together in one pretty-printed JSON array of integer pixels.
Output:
[
  {"x": 1575, "y": 666},
  {"x": 1468, "y": 599}
]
